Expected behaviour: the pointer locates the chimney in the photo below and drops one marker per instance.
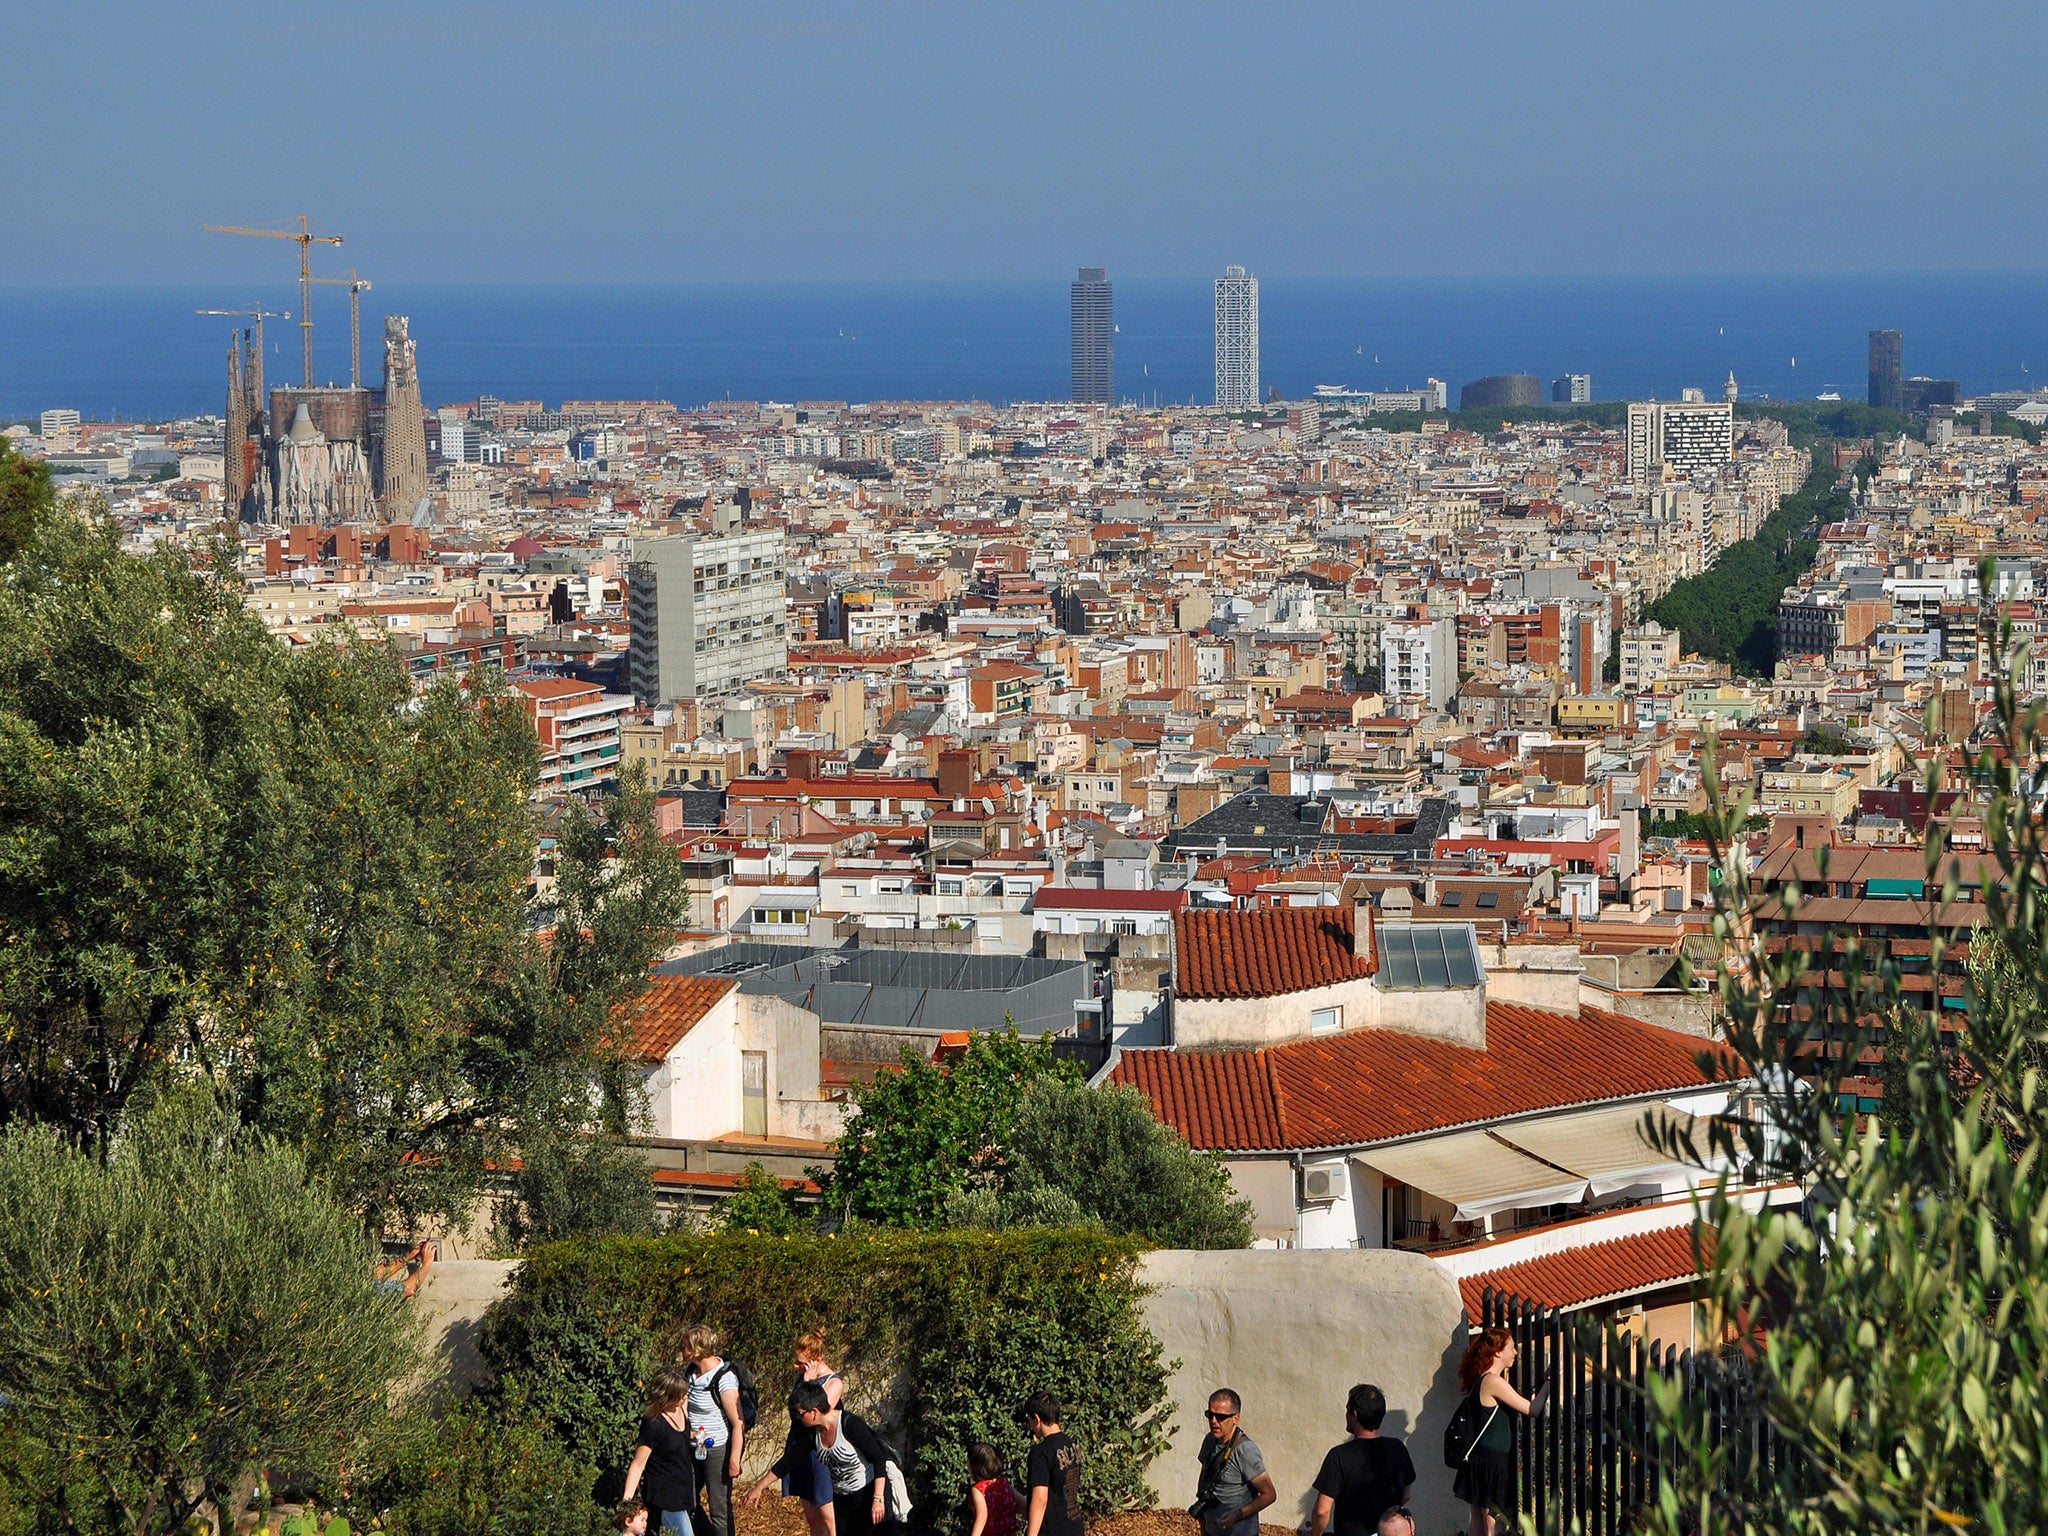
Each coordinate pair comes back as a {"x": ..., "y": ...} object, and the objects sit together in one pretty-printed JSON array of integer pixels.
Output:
[
  {"x": 956, "y": 774},
  {"x": 1362, "y": 927}
]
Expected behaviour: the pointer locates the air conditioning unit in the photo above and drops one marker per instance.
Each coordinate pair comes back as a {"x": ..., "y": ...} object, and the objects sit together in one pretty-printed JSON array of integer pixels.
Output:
[{"x": 1322, "y": 1184}]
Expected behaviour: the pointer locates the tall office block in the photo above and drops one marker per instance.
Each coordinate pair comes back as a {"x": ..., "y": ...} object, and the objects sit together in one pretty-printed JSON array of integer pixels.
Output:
[
  {"x": 707, "y": 614},
  {"x": 1094, "y": 338},
  {"x": 1572, "y": 389},
  {"x": 1887, "y": 369},
  {"x": 1237, "y": 340},
  {"x": 1680, "y": 437}
]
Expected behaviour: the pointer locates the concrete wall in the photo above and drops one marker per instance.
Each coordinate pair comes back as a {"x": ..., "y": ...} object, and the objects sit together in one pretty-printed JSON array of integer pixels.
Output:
[
  {"x": 1534, "y": 975},
  {"x": 1291, "y": 1332}
]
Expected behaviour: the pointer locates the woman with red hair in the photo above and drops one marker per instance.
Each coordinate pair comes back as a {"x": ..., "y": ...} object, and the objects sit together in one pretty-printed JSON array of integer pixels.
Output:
[{"x": 1487, "y": 1479}]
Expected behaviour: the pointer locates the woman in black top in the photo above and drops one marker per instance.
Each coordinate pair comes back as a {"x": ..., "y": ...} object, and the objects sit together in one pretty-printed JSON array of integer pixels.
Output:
[
  {"x": 664, "y": 1467},
  {"x": 854, "y": 1458}
]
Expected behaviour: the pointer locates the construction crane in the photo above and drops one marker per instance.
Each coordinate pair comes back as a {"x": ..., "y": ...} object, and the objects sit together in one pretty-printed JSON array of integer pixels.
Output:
[
  {"x": 306, "y": 242},
  {"x": 259, "y": 314},
  {"x": 356, "y": 287}
]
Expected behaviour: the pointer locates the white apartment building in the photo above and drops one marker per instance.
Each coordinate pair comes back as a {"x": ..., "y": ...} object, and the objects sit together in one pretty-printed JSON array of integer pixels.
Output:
[
  {"x": 1419, "y": 662},
  {"x": 1648, "y": 653},
  {"x": 1237, "y": 339},
  {"x": 1680, "y": 437},
  {"x": 707, "y": 614}
]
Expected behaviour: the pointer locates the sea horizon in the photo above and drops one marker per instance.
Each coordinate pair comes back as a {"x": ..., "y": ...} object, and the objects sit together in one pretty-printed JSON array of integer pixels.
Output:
[{"x": 140, "y": 353}]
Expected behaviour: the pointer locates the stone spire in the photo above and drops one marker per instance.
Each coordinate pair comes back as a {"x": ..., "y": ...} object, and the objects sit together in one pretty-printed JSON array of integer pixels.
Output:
[
  {"x": 234, "y": 444},
  {"x": 403, "y": 474}
]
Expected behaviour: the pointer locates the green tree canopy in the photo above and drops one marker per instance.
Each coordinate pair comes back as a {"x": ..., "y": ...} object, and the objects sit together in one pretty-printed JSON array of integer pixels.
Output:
[
  {"x": 1105, "y": 1151},
  {"x": 922, "y": 1133},
  {"x": 179, "y": 1317},
  {"x": 26, "y": 498},
  {"x": 292, "y": 874}
]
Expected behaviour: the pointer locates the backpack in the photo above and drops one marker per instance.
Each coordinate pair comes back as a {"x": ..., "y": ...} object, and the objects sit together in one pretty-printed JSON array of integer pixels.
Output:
[
  {"x": 750, "y": 1395},
  {"x": 1462, "y": 1434}
]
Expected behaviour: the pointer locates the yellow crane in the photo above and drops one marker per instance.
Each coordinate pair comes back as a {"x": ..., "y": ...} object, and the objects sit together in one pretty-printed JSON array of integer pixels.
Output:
[
  {"x": 259, "y": 314},
  {"x": 306, "y": 241},
  {"x": 356, "y": 287}
]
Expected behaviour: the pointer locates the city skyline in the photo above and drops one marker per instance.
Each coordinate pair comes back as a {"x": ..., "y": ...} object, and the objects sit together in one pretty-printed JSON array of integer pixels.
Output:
[{"x": 1611, "y": 184}]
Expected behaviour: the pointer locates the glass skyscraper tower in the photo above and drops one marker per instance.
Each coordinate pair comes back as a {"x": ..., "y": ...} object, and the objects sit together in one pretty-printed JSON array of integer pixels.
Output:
[{"x": 1094, "y": 338}]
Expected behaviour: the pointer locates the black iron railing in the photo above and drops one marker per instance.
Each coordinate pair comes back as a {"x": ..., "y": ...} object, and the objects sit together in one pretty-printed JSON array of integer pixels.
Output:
[{"x": 1594, "y": 1456}]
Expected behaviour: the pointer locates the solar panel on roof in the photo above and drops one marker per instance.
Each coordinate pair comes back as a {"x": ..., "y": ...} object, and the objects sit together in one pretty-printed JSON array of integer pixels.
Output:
[{"x": 1434, "y": 956}]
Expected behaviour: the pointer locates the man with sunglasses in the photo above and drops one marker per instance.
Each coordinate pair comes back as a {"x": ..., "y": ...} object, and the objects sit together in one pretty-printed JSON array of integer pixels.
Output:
[{"x": 1233, "y": 1485}]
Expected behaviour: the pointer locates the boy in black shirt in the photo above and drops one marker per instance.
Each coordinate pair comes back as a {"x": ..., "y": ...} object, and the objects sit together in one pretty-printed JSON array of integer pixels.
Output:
[
  {"x": 1365, "y": 1476},
  {"x": 1053, "y": 1472}
]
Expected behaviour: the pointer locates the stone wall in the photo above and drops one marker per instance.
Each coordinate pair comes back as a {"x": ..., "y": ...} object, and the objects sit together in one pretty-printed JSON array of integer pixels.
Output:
[{"x": 1291, "y": 1332}]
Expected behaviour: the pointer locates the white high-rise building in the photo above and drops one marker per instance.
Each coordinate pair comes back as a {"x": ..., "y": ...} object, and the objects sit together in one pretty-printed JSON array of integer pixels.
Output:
[
  {"x": 1237, "y": 340},
  {"x": 1419, "y": 662},
  {"x": 707, "y": 614},
  {"x": 58, "y": 423},
  {"x": 1681, "y": 438}
]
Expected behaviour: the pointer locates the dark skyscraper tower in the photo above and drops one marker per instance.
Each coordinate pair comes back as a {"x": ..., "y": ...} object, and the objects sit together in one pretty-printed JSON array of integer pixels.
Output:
[
  {"x": 1887, "y": 370},
  {"x": 1094, "y": 338}
]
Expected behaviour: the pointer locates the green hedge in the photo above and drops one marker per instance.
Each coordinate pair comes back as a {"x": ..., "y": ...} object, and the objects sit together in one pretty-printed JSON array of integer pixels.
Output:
[{"x": 941, "y": 1336}]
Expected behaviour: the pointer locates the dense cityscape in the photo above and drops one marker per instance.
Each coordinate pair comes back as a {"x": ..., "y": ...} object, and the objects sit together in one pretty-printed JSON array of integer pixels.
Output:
[{"x": 990, "y": 966}]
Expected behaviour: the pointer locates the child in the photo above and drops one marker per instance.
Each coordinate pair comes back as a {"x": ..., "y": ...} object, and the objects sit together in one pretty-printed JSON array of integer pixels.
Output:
[
  {"x": 631, "y": 1518},
  {"x": 993, "y": 1500}
]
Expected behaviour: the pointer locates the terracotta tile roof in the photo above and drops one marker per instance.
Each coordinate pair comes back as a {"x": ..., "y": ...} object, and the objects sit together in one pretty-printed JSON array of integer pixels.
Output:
[
  {"x": 657, "y": 1019},
  {"x": 1621, "y": 1266},
  {"x": 1225, "y": 1096},
  {"x": 1266, "y": 952},
  {"x": 1372, "y": 1085}
]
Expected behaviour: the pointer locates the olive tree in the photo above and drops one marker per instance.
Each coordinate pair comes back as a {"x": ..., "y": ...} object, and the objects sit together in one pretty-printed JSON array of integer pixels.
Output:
[
  {"x": 1894, "y": 1329},
  {"x": 179, "y": 1316}
]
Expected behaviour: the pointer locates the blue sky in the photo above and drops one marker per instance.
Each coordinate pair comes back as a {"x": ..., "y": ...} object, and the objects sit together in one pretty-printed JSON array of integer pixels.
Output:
[{"x": 645, "y": 142}]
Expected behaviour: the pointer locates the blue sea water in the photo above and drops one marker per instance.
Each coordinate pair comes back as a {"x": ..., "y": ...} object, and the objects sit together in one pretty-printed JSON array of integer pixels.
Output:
[{"x": 143, "y": 353}]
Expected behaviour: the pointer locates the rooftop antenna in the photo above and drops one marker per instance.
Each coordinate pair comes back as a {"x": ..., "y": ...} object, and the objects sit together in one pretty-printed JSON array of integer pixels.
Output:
[{"x": 306, "y": 242}]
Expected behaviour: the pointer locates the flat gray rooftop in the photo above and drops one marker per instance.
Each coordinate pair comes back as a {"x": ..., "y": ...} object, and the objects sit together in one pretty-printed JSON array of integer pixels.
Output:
[{"x": 905, "y": 989}]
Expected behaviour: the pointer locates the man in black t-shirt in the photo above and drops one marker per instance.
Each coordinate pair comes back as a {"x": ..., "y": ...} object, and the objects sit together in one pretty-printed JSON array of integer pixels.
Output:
[
  {"x": 1364, "y": 1477},
  {"x": 1053, "y": 1472}
]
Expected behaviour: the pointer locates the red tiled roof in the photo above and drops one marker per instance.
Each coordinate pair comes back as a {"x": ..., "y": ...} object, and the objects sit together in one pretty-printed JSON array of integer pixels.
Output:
[
  {"x": 1266, "y": 952},
  {"x": 658, "y": 1018},
  {"x": 1621, "y": 1266},
  {"x": 1372, "y": 1085}
]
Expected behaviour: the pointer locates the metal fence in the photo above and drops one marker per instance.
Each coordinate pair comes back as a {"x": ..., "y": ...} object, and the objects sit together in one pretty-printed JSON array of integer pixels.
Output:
[{"x": 1594, "y": 1457}]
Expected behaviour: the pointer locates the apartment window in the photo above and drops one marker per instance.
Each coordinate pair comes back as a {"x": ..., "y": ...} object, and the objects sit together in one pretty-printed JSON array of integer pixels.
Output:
[
  {"x": 1326, "y": 1021},
  {"x": 1127, "y": 926},
  {"x": 1489, "y": 899},
  {"x": 1453, "y": 899},
  {"x": 754, "y": 1093}
]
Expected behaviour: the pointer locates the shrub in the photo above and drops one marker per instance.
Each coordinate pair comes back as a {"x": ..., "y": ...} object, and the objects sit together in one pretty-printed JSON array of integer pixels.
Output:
[
  {"x": 1102, "y": 1152},
  {"x": 181, "y": 1317},
  {"x": 480, "y": 1470},
  {"x": 760, "y": 1205},
  {"x": 941, "y": 1335}
]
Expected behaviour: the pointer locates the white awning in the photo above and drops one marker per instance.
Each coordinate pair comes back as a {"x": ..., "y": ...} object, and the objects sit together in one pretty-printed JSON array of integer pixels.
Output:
[
  {"x": 1475, "y": 1173},
  {"x": 1609, "y": 1147}
]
